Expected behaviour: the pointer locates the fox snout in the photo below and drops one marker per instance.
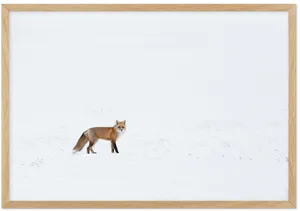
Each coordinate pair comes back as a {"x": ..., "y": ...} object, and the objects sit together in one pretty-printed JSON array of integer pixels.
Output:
[{"x": 121, "y": 129}]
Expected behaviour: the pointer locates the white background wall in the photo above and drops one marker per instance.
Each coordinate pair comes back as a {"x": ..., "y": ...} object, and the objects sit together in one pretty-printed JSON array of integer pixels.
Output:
[{"x": 196, "y": 89}]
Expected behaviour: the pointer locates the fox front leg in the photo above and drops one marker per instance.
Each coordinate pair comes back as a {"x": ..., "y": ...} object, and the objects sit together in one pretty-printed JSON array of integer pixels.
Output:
[
  {"x": 115, "y": 147},
  {"x": 112, "y": 147}
]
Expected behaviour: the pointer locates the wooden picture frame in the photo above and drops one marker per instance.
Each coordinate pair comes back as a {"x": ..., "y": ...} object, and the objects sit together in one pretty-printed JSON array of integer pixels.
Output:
[{"x": 290, "y": 203}]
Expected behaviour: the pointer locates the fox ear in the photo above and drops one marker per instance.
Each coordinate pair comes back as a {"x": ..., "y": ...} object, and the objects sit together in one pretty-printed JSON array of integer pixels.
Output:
[
  {"x": 117, "y": 121},
  {"x": 124, "y": 121}
]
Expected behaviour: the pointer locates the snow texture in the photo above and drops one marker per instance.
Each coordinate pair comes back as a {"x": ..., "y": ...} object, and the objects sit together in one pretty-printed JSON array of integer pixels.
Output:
[{"x": 206, "y": 107}]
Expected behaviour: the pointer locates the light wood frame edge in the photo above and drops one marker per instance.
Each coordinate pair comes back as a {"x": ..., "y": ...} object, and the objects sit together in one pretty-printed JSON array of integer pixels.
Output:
[
  {"x": 149, "y": 1},
  {"x": 5, "y": 106},
  {"x": 292, "y": 105},
  {"x": 291, "y": 203},
  {"x": 148, "y": 204},
  {"x": 149, "y": 7}
]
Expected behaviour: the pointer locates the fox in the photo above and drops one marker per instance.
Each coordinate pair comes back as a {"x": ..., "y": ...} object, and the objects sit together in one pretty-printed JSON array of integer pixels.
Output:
[{"x": 92, "y": 135}]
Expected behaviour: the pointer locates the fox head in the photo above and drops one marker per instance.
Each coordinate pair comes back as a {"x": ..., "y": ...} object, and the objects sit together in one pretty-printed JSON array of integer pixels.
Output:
[{"x": 121, "y": 126}]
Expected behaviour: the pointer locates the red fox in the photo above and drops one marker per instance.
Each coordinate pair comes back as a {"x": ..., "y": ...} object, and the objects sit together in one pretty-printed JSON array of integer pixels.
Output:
[{"x": 106, "y": 133}]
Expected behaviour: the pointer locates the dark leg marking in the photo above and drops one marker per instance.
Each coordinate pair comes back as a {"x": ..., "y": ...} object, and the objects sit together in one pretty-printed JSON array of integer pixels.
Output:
[
  {"x": 116, "y": 148},
  {"x": 93, "y": 151},
  {"x": 112, "y": 148}
]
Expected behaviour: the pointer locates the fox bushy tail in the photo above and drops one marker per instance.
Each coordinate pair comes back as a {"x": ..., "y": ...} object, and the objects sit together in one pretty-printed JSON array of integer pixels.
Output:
[{"x": 80, "y": 143}]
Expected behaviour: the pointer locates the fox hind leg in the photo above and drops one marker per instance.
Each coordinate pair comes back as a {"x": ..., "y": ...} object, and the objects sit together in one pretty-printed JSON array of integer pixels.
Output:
[
  {"x": 89, "y": 148},
  {"x": 93, "y": 141},
  {"x": 92, "y": 150}
]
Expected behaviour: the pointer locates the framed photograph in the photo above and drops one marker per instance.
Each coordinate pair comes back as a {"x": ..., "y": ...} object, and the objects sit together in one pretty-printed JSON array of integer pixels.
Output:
[{"x": 148, "y": 106}]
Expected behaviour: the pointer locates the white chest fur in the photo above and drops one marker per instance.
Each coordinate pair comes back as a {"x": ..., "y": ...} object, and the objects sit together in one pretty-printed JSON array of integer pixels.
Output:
[{"x": 120, "y": 133}]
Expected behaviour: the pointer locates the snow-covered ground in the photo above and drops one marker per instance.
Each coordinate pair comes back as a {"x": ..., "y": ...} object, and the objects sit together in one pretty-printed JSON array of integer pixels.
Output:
[
  {"x": 206, "y": 106},
  {"x": 202, "y": 160}
]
